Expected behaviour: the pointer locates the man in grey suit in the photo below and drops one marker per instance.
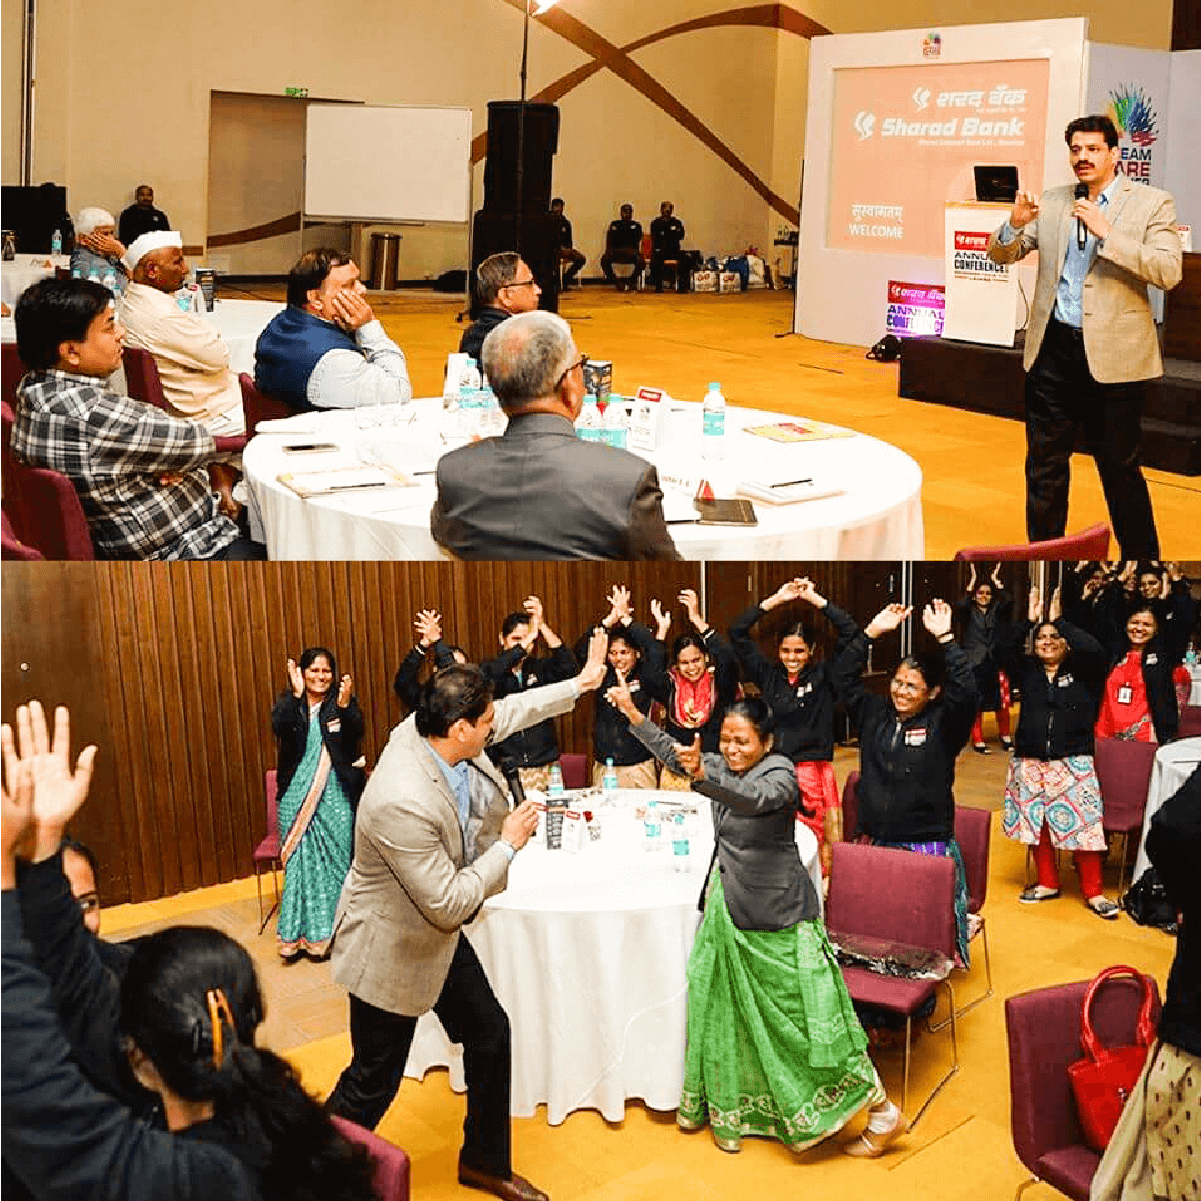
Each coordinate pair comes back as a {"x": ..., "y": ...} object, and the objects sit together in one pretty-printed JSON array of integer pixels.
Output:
[
  {"x": 539, "y": 492},
  {"x": 434, "y": 838},
  {"x": 1091, "y": 340}
]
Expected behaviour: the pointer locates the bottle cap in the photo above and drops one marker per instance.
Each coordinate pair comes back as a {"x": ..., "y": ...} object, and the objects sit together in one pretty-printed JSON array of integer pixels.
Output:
[{"x": 715, "y": 387}]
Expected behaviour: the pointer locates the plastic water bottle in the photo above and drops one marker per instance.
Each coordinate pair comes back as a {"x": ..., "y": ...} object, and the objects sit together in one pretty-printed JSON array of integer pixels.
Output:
[
  {"x": 469, "y": 412},
  {"x": 651, "y": 824},
  {"x": 110, "y": 281},
  {"x": 492, "y": 420},
  {"x": 609, "y": 782},
  {"x": 614, "y": 425},
  {"x": 680, "y": 847},
  {"x": 56, "y": 242},
  {"x": 555, "y": 786},
  {"x": 713, "y": 424},
  {"x": 588, "y": 424}
]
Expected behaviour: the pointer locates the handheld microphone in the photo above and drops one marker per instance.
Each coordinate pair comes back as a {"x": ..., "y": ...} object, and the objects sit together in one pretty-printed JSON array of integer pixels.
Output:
[
  {"x": 512, "y": 775},
  {"x": 1081, "y": 230}
]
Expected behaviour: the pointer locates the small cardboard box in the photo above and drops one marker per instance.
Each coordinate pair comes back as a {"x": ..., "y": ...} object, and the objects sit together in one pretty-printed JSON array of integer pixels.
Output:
[
  {"x": 729, "y": 281},
  {"x": 598, "y": 378},
  {"x": 704, "y": 281}
]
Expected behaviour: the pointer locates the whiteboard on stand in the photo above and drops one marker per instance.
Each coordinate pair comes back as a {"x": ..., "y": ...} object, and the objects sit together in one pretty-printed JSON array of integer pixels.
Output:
[{"x": 387, "y": 163}]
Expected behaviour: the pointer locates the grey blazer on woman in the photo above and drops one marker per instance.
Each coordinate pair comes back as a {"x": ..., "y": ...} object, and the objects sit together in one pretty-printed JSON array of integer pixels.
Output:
[{"x": 754, "y": 824}]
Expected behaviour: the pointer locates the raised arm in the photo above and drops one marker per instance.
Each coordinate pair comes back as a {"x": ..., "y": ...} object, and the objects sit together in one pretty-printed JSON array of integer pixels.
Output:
[{"x": 846, "y": 668}]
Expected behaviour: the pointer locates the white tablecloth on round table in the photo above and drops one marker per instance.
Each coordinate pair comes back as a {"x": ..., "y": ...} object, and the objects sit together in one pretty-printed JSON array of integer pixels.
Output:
[
  {"x": 877, "y": 515},
  {"x": 587, "y": 953},
  {"x": 1173, "y": 765},
  {"x": 17, "y": 274}
]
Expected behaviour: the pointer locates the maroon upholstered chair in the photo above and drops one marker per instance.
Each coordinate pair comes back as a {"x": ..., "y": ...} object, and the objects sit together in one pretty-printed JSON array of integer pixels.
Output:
[
  {"x": 258, "y": 406},
  {"x": 850, "y": 806},
  {"x": 11, "y": 371},
  {"x": 267, "y": 852},
  {"x": 1124, "y": 773},
  {"x": 1092, "y": 543},
  {"x": 1043, "y": 1028},
  {"x": 973, "y": 833},
  {"x": 902, "y": 897},
  {"x": 15, "y": 549},
  {"x": 1190, "y": 722},
  {"x": 144, "y": 384},
  {"x": 41, "y": 507},
  {"x": 391, "y": 1163},
  {"x": 575, "y": 770}
]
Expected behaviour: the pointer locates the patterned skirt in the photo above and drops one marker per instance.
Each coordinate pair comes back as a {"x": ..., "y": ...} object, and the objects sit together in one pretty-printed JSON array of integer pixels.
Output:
[
  {"x": 1062, "y": 794},
  {"x": 774, "y": 1046}
]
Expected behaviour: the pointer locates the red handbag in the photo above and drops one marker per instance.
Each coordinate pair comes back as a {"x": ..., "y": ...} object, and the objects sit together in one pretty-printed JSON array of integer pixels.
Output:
[{"x": 1106, "y": 1076}]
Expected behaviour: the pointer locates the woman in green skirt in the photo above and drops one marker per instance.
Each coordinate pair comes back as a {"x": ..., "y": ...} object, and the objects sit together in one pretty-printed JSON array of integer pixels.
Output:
[
  {"x": 774, "y": 1047},
  {"x": 319, "y": 777}
]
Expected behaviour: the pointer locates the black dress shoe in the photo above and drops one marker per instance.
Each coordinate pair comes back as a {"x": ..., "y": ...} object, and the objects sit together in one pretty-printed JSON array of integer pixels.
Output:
[{"x": 515, "y": 1188}]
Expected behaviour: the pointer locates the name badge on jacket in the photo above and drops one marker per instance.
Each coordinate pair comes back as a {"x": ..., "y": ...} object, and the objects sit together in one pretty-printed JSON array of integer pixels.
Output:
[
  {"x": 1065, "y": 680},
  {"x": 916, "y": 736},
  {"x": 1125, "y": 694},
  {"x": 1151, "y": 659},
  {"x": 804, "y": 690},
  {"x": 334, "y": 725}
]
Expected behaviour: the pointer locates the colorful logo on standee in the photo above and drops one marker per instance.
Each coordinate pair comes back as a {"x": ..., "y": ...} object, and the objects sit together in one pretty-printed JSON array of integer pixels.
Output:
[
  {"x": 932, "y": 46},
  {"x": 1132, "y": 112}
]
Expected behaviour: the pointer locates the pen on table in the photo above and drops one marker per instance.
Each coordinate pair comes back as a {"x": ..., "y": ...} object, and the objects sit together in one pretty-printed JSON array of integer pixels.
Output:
[{"x": 791, "y": 483}]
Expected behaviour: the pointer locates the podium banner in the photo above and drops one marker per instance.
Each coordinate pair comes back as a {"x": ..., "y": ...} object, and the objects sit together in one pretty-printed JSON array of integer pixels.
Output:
[{"x": 981, "y": 298}]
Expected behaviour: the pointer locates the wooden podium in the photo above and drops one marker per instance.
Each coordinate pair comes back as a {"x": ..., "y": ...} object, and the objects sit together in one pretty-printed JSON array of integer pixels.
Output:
[{"x": 1182, "y": 314}]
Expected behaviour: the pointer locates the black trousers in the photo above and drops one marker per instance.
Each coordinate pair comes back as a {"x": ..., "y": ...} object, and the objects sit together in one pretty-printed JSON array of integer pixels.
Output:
[
  {"x": 622, "y": 256},
  {"x": 568, "y": 254},
  {"x": 1061, "y": 399},
  {"x": 471, "y": 1015}
]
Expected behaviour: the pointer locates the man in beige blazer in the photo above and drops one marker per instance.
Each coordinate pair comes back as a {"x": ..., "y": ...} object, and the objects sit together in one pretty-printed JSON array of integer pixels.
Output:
[
  {"x": 1091, "y": 339},
  {"x": 434, "y": 838}
]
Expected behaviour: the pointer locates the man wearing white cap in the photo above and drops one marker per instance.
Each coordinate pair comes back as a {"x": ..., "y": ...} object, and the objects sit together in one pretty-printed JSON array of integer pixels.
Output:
[
  {"x": 97, "y": 253},
  {"x": 192, "y": 358}
]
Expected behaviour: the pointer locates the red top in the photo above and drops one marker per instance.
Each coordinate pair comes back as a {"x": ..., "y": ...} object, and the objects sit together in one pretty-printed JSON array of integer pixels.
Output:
[{"x": 1124, "y": 709}]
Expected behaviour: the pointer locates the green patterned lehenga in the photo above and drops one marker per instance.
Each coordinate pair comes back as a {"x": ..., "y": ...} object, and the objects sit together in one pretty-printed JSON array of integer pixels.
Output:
[
  {"x": 774, "y": 1046},
  {"x": 316, "y": 822}
]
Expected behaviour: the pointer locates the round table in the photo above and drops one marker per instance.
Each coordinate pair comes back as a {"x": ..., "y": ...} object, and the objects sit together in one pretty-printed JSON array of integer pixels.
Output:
[
  {"x": 876, "y": 512},
  {"x": 587, "y": 952},
  {"x": 17, "y": 274},
  {"x": 1173, "y": 765}
]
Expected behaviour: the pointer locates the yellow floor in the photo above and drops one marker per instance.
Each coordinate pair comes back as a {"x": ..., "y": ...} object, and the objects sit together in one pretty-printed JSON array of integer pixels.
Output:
[
  {"x": 972, "y": 464},
  {"x": 961, "y": 1150}
]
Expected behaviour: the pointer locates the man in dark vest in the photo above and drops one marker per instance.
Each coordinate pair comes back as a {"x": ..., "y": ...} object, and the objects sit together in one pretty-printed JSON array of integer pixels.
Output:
[{"x": 327, "y": 350}]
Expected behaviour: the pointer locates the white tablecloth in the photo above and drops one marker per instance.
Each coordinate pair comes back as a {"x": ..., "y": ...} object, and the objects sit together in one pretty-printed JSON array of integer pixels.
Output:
[
  {"x": 877, "y": 514},
  {"x": 17, "y": 274},
  {"x": 1173, "y": 765},
  {"x": 587, "y": 952}
]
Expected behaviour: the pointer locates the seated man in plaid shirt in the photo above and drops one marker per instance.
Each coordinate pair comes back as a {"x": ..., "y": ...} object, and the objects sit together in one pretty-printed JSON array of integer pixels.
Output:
[{"x": 139, "y": 472}]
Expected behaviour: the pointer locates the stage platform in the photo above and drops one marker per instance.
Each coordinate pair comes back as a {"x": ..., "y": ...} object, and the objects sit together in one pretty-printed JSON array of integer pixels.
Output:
[{"x": 989, "y": 379}]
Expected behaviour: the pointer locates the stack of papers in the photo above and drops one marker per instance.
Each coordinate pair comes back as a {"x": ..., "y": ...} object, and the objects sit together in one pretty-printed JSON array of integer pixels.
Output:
[{"x": 342, "y": 479}]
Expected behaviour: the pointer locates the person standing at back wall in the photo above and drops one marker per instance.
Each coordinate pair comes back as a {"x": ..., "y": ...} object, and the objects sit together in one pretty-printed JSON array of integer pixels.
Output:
[{"x": 1091, "y": 343}]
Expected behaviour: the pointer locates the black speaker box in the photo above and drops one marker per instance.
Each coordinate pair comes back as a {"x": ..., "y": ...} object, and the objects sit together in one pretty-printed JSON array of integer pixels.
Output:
[
  {"x": 495, "y": 233},
  {"x": 540, "y": 140}
]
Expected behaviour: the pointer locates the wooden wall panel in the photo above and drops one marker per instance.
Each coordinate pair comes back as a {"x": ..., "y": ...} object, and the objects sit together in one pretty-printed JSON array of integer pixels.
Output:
[{"x": 172, "y": 670}]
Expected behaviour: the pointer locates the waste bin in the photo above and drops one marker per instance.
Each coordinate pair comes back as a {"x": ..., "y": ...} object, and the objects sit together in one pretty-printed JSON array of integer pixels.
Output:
[{"x": 385, "y": 261}]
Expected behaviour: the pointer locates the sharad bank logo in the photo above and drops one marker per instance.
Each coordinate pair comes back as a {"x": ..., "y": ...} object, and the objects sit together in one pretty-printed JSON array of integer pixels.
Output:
[
  {"x": 865, "y": 124},
  {"x": 932, "y": 46},
  {"x": 971, "y": 241},
  {"x": 1131, "y": 110}
]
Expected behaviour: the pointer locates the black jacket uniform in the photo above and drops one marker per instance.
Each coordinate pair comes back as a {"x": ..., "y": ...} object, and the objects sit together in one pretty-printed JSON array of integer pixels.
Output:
[
  {"x": 1058, "y": 715},
  {"x": 538, "y": 745},
  {"x": 406, "y": 684},
  {"x": 341, "y": 731},
  {"x": 472, "y": 341},
  {"x": 611, "y": 736},
  {"x": 1160, "y": 657},
  {"x": 804, "y": 710},
  {"x": 662, "y": 686},
  {"x": 63, "y": 1137},
  {"x": 1174, "y": 848},
  {"x": 907, "y": 765}
]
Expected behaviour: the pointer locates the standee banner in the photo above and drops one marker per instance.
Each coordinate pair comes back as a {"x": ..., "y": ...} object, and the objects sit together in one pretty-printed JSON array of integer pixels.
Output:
[
  {"x": 981, "y": 295},
  {"x": 915, "y": 310},
  {"x": 1132, "y": 88}
]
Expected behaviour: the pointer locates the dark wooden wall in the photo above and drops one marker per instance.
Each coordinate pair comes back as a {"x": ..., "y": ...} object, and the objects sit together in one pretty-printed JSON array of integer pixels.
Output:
[{"x": 171, "y": 671}]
